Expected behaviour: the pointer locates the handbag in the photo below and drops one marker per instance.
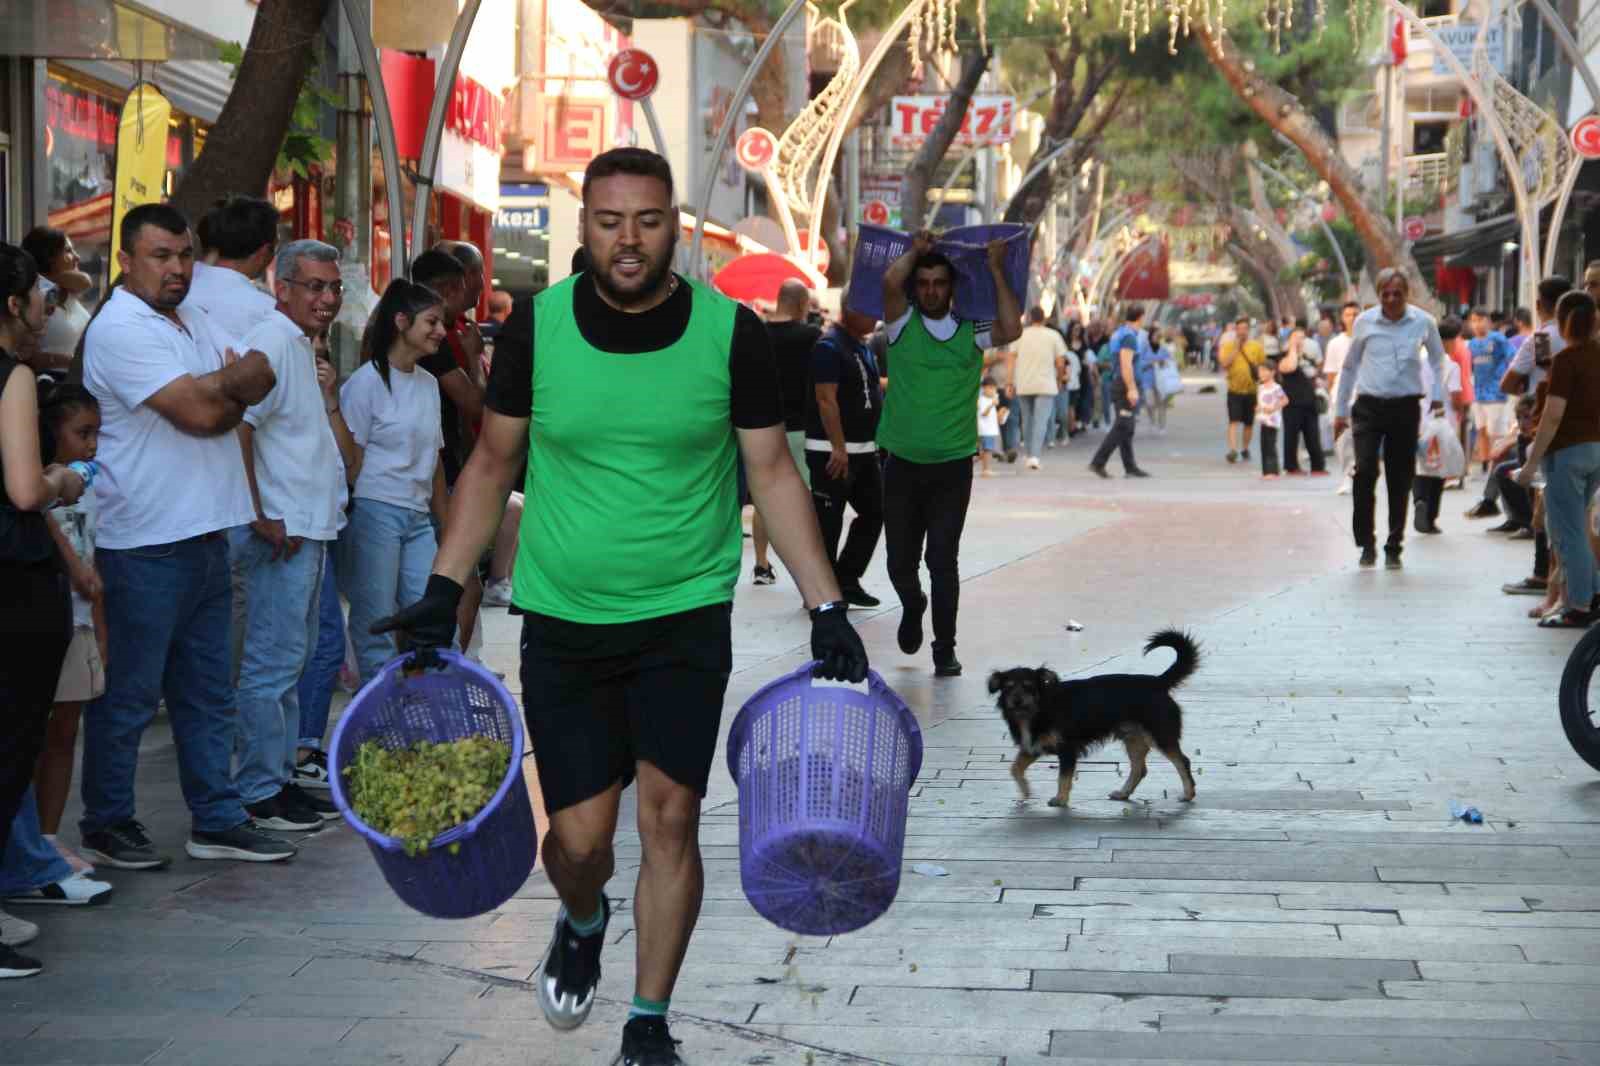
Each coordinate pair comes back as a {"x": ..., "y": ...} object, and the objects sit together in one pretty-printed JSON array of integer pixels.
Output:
[{"x": 1169, "y": 380}]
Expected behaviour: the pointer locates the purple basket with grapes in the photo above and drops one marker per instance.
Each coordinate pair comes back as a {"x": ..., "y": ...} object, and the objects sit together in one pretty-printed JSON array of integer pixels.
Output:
[
  {"x": 824, "y": 773},
  {"x": 478, "y": 865}
]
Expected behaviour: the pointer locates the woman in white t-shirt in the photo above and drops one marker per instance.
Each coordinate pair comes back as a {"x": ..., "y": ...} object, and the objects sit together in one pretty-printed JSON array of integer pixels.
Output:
[
  {"x": 396, "y": 487},
  {"x": 58, "y": 261}
]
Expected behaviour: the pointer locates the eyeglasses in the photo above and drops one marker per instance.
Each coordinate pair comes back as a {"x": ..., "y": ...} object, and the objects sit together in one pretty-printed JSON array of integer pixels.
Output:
[
  {"x": 51, "y": 292},
  {"x": 317, "y": 286}
]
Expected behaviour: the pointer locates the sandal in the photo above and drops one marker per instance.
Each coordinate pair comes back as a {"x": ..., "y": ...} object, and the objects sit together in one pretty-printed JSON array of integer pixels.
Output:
[{"x": 1567, "y": 618}]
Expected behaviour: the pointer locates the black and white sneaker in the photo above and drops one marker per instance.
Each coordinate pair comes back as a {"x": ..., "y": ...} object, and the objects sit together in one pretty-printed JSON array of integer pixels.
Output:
[
  {"x": 75, "y": 891},
  {"x": 571, "y": 971},
  {"x": 275, "y": 812},
  {"x": 298, "y": 799},
  {"x": 311, "y": 771},
  {"x": 244, "y": 842},
  {"x": 647, "y": 1042},
  {"x": 13, "y": 964},
  {"x": 764, "y": 575},
  {"x": 123, "y": 847}
]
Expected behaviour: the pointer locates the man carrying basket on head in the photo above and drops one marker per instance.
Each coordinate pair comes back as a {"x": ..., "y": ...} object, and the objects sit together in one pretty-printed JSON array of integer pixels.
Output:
[{"x": 632, "y": 392}]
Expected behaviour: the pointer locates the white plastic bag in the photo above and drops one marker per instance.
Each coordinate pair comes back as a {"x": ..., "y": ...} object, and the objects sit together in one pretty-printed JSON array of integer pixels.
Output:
[
  {"x": 1169, "y": 380},
  {"x": 1594, "y": 514},
  {"x": 1439, "y": 451}
]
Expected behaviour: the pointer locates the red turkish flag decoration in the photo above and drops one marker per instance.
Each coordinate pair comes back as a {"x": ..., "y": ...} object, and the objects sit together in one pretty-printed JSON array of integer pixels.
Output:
[{"x": 1397, "y": 41}]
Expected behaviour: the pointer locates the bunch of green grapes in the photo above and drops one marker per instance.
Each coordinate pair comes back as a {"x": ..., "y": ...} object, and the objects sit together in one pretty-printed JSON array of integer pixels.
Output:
[{"x": 416, "y": 793}]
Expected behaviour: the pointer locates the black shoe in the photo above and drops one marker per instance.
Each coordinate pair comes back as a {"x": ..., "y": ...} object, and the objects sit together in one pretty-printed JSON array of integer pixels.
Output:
[
  {"x": 1391, "y": 558},
  {"x": 1011, "y": 455},
  {"x": 1232, "y": 457},
  {"x": 764, "y": 575},
  {"x": 244, "y": 842},
  {"x": 1136, "y": 472},
  {"x": 276, "y": 813},
  {"x": 1244, "y": 456},
  {"x": 1483, "y": 509},
  {"x": 122, "y": 847},
  {"x": 1522, "y": 533},
  {"x": 1528, "y": 586},
  {"x": 1099, "y": 470},
  {"x": 1508, "y": 526},
  {"x": 571, "y": 971},
  {"x": 1430, "y": 528},
  {"x": 300, "y": 800},
  {"x": 910, "y": 632},
  {"x": 946, "y": 665},
  {"x": 13, "y": 964},
  {"x": 646, "y": 1042},
  {"x": 856, "y": 596},
  {"x": 1369, "y": 556},
  {"x": 311, "y": 771}
]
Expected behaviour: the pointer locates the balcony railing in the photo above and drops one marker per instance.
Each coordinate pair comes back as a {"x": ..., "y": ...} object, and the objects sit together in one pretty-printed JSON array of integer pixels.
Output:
[{"x": 1432, "y": 169}]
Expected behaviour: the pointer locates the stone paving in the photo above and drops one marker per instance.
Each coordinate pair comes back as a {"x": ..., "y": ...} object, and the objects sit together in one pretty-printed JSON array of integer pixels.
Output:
[{"x": 1316, "y": 904}]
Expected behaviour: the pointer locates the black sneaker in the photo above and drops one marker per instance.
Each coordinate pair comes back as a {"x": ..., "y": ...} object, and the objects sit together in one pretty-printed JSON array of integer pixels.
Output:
[
  {"x": 1137, "y": 471},
  {"x": 13, "y": 964},
  {"x": 910, "y": 632},
  {"x": 764, "y": 575},
  {"x": 1244, "y": 456},
  {"x": 571, "y": 971},
  {"x": 646, "y": 1042},
  {"x": 1483, "y": 509},
  {"x": 1099, "y": 471},
  {"x": 122, "y": 847},
  {"x": 1508, "y": 526},
  {"x": 1391, "y": 558},
  {"x": 946, "y": 665},
  {"x": 311, "y": 771},
  {"x": 856, "y": 596},
  {"x": 1232, "y": 457},
  {"x": 244, "y": 842},
  {"x": 301, "y": 801},
  {"x": 1528, "y": 586},
  {"x": 1369, "y": 556},
  {"x": 275, "y": 812}
]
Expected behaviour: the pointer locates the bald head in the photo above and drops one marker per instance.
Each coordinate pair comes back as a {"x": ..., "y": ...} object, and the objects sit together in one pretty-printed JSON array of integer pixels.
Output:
[{"x": 794, "y": 300}]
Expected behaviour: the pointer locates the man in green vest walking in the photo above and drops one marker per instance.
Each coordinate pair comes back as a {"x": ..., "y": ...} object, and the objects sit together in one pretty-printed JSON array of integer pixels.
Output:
[
  {"x": 930, "y": 430},
  {"x": 632, "y": 392}
]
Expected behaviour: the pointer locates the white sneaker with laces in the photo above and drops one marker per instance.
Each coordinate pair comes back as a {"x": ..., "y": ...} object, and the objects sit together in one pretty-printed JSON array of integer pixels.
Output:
[
  {"x": 14, "y": 931},
  {"x": 1033, "y": 462},
  {"x": 75, "y": 891}
]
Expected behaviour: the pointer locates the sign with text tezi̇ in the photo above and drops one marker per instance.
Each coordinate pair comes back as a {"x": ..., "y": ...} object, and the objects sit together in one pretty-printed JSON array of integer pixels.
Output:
[
  {"x": 966, "y": 248},
  {"x": 989, "y": 120},
  {"x": 1462, "y": 38}
]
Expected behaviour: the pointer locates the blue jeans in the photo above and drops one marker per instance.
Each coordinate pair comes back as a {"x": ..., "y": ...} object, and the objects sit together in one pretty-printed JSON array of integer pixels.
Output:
[
  {"x": 280, "y": 628},
  {"x": 385, "y": 556},
  {"x": 1036, "y": 424},
  {"x": 1571, "y": 477},
  {"x": 322, "y": 669},
  {"x": 1060, "y": 422},
  {"x": 168, "y": 610},
  {"x": 29, "y": 862}
]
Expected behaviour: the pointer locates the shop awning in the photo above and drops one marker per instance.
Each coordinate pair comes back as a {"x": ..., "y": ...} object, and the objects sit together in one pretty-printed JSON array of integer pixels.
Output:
[
  {"x": 1478, "y": 245},
  {"x": 96, "y": 29}
]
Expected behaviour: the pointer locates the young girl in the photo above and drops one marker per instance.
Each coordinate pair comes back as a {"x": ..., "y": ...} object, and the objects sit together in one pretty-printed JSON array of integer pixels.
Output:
[
  {"x": 988, "y": 424},
  {"x": 392, "y": 408},
  {"x": 1270, "y": 402},
  {"x": 69, "y": 424}
]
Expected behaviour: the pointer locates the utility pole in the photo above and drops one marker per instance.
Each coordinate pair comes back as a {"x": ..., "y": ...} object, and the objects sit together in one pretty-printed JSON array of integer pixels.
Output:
[
  {"x": 352, "y": 205},
  {"x": 1383, "y": 135}
]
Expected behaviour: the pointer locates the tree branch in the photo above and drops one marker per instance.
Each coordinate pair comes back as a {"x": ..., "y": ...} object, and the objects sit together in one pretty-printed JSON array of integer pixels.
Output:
[{"x": 914, "y": 198}]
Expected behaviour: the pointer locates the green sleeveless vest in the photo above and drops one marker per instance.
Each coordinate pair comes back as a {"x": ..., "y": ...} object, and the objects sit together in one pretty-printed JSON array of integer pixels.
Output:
[
  {"x": 930, "y": 411},
  {"x": 632, "y": 507}
]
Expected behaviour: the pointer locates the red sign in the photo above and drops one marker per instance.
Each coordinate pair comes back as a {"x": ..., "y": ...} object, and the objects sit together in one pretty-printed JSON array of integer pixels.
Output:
[
  {"x": 876, "y": 212},
  {"x": 574, "y": 132},
  {"x": 988, "y": 119},
  {"x": 633, "y": 74},
  {"x": 1585, "y": 136},
  {"x": 474, "y": 112},
  {"x": 756, "y": 149},
  {"x": 1416, "y": 229}
]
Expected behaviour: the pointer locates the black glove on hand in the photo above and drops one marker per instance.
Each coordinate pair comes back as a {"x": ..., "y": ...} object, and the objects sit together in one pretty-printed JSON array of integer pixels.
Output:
[
  {"x": 428, "y": 623},
  {"x": 836, "y": 646}
]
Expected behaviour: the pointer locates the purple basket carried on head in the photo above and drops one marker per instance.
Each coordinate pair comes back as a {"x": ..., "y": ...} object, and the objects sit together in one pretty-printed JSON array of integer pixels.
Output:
[
  {"x": 499, "y": 843},
  {"x": 824, "y": 773}
]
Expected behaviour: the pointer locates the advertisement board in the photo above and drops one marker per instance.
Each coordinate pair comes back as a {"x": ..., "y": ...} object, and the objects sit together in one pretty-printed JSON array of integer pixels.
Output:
[{"x": 989, "y": 120}]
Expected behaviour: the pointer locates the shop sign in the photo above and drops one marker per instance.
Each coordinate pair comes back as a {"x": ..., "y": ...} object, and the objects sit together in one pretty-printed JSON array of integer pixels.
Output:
[{"x": 989, "y": 119}]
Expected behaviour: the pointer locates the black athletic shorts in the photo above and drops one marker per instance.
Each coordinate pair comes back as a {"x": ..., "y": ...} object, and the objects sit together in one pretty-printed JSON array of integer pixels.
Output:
[
  {"x": 1242, "y": 407},
  {"x": 599, "y": 698}
]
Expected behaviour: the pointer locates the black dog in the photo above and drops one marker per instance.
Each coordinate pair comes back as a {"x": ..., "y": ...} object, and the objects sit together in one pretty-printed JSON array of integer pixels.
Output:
[{"x": 1049, "y": 716}]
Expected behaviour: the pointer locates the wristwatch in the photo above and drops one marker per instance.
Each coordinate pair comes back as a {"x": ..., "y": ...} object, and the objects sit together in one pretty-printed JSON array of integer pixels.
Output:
[{"x": 823, "y": 608}]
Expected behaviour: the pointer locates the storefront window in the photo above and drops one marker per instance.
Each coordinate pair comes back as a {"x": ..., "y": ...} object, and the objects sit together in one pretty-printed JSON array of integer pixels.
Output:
[{"x": 522, "y": 240}]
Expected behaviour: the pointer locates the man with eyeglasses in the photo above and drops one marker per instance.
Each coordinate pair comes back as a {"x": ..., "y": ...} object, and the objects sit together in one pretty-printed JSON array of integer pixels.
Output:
[{"x": 296, "y": 448}]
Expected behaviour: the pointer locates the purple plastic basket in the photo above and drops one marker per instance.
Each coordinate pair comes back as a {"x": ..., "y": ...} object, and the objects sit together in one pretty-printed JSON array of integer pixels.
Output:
[
  {"x": 499, "y": 843},
  {"x": 824, "y": 773}
]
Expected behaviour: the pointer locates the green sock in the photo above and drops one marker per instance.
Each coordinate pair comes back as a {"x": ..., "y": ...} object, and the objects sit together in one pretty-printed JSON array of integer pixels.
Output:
[
  {"x": 645, "y": 1008},
  {"x": 588, "y": 926}
]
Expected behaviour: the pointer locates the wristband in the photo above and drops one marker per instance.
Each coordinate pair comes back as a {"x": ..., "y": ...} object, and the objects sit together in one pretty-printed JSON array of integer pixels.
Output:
[{"x": 824, "y": 608}]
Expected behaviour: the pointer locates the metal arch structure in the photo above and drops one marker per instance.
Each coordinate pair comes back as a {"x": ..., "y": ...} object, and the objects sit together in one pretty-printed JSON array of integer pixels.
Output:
[
  {"x": 1527, "y": 213},
  {"x": 383, "y": 123},
  {"x": 1569, "y": 45},
  {"x": 443, "y": 86},
  {"x": 805, "y": 137}
]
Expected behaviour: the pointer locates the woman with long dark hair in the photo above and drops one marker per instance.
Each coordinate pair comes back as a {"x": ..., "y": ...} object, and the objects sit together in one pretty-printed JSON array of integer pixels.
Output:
[
  {"x": 396, "y": 486},
  {"x": 35, "y": 611}
]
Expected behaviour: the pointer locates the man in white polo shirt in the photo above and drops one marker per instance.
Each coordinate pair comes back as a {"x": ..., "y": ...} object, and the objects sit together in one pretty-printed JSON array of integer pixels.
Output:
[
  {"x": 237, "y": 239},
  {"x": 294, "y": 443},
  {"x": 171, "y": 484}
]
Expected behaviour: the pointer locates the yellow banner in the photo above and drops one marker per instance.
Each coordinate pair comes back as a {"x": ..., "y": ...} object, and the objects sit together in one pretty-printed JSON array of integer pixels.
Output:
[{"x": 141, "y": 158}]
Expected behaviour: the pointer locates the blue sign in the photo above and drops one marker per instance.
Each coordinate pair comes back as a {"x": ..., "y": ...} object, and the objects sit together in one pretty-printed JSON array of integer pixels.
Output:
[{"x": 522, "y": 218}]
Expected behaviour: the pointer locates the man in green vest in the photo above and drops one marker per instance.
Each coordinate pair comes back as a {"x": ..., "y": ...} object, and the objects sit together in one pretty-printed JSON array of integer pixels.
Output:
[
  {"x": 632, "y": 392},
  {"x": 930, "y": 430}
]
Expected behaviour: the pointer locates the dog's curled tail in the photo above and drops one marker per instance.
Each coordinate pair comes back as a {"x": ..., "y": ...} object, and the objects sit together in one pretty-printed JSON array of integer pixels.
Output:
[{"x": 1188, "y": 660}]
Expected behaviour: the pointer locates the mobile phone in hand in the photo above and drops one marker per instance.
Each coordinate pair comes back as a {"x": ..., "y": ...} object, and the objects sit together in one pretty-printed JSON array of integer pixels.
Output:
[{"x": 1541, "y": 349}]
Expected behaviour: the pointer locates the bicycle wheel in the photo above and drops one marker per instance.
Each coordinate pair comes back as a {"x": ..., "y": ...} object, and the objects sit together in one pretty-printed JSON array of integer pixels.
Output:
[{"x": 1580, "y": 717}]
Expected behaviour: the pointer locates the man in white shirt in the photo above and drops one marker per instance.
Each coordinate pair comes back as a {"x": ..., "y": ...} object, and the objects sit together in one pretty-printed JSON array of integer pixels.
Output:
[
  {"x": 1333, "y": 354},
  {"x": 295, "y": 445},
  {"x": 237, "y": 239},
  {"x": 1041, "y": 357},
  {"x": 171, "y": 484}
]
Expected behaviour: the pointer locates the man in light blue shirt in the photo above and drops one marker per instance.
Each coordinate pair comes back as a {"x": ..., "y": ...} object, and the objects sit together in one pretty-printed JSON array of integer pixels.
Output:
[{"x": 1384, "y": 364}]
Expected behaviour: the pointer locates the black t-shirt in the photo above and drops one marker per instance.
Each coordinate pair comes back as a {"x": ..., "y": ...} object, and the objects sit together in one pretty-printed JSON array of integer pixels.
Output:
[
  {"x": 791, "y": 346},
  {"x": 840, "y": 359},
  {"x": 454, "y": 453},
  {"x": 1300, "y": 390},
  {"x": 756, "y": 403}
]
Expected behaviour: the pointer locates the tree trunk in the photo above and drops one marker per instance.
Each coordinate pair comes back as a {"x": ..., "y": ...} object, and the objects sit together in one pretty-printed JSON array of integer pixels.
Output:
[
  {"x": 243, "y": 145},
  {"x": 1283, "y": 113},
  {"x": 1069, "y": 106},
  {"x": 1214, "y": 178},
  {"x": 1269, "y": 290},
  {"x": 914, "y": 194}
]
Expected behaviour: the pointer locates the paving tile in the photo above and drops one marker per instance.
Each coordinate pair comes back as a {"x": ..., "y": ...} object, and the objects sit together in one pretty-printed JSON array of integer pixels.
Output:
[
  {"x": 1298, "y": 1048},
  {"x": 1318, "y": 968},
  {"x": 102, "y": 1051},
  {"x": 1194, "y": 983},
  {"x": 1269, "y": 1025}
]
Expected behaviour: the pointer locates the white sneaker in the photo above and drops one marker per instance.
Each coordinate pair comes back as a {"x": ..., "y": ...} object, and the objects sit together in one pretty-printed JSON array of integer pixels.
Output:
[
  {"x": 1344, "y": 487},
  {"x": 497, "y": 593},
  {"x": 75, "y": 891},
  {"x": 14, "y": 931},
  {"x": 1033, "y": 462}
]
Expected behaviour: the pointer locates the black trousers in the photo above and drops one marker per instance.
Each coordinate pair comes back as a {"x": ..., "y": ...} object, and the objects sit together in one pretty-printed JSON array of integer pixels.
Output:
[
  {"x": 1427, "y": 493},
  {"x": 1518, "y": 501},
  {"x": 1119, "y": 439},
  {"x": 862, "y": 489},
  {"x": 925, "y": 507},
  {"x": 1300, "y": 423},
  {"x": 1269, "y": 448},
  {"x": 35, "y": 629},
  {"x": 1385, "y": 428}
]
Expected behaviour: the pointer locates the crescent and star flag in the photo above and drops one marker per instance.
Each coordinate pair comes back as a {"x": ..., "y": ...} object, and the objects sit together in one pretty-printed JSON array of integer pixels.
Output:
[
  {"x": 141, "y": 171},
  {"x": 1397, "y": 41}
]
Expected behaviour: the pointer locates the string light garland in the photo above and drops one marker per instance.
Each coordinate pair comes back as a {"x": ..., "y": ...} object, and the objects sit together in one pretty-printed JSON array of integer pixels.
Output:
[{"x": 1135, "y": 17}]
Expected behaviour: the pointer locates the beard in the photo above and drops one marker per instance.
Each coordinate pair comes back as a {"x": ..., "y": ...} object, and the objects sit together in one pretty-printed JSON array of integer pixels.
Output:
[{"x": 640, "y": 290}]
